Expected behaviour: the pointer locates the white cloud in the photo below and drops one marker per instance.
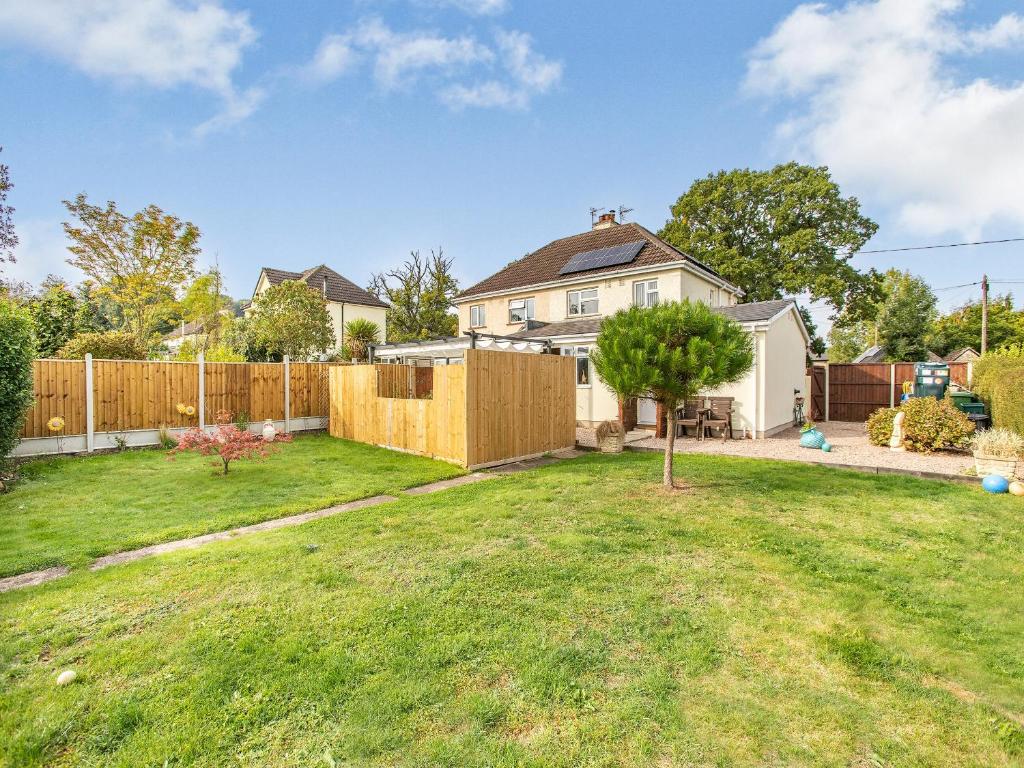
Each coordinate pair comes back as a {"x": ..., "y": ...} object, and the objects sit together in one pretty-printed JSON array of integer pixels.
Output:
[
  {"x": 398, "y": 59},
  {"x": 877, "y": 100},
  {"x": 157, "y": 43},
  {"x": 475, "y": 7}
]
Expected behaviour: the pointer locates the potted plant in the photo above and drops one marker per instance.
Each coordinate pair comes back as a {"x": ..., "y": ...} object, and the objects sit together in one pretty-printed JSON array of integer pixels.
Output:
[
  {"x": 811, "y": 436},
  {"x": 610, "y": 437},
  {"x": 998, "y": 452}
]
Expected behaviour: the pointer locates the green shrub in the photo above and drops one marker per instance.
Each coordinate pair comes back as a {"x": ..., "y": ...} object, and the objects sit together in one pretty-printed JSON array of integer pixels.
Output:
[
  {"x": 108, "y": 345},
  {"x": 880, "y": 425},
  {"x": 17, "y": 350},
  {"x": 999, "y": 381},
  {"x": 929, "y": 425}
]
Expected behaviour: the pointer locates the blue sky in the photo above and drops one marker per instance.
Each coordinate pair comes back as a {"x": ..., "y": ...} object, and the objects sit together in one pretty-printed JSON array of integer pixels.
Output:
[{"x": 350, "y": 133}]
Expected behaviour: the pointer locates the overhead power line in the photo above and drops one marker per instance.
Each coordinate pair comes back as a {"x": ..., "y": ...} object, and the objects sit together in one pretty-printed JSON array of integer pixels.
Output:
[{"x": 946, "y": 245}]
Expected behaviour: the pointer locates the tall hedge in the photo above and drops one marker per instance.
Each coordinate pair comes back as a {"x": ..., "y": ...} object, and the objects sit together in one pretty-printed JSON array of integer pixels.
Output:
[
  {"x": 104, "y": 345},
  {"x": 999, "y": 380},
  {"x": 17, "y": 350}
]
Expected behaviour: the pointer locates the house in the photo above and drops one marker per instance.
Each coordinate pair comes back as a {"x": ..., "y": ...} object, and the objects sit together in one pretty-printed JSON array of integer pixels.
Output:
[
  {"x": 554, "y": 299},
  {"x": 193, "y": 333},
  {"x": 346, "y": 301},
  {"x": 963, "y": 355}
]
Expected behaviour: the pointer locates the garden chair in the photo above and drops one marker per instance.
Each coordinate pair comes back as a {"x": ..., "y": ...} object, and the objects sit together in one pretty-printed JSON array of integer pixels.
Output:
[
  {"x": 720, "y": 416},
  {"x": 689, "y": 416}
]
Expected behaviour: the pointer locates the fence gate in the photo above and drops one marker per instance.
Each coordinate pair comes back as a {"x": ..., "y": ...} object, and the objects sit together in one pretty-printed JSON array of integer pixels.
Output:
[{"x": 856, "y": 390}]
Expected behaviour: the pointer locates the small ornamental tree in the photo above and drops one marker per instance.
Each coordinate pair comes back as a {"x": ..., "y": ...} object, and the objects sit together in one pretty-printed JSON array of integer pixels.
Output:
[
  {"x": 227, "y": 442},
  {"x": 108, "y": 345},
  {"x": 359, "y": 335},
  {"x": 670, "y": 352}
]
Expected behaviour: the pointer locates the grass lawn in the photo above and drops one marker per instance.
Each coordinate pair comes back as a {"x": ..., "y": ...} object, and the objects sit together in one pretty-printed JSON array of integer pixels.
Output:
[
  {"x": 775, "y": 614},
  {"x": 71, "y": 510}
]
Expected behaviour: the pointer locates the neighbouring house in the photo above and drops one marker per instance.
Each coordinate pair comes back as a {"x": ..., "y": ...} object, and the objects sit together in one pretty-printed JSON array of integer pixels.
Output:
[
  {"x": 346, "y": 301},
  {"x": 554, "y": 299},
  {"x": 877, "y": 354},
  {"x": 963, "y": 355},
  {"x": 193, "y": 332}
]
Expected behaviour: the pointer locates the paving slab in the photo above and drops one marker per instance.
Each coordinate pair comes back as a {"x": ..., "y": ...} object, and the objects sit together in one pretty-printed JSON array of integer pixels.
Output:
[
  {"x": 32, "y": 578},
  {"x": 442, "y": 485},
  {"x": 269, "y": 525}
]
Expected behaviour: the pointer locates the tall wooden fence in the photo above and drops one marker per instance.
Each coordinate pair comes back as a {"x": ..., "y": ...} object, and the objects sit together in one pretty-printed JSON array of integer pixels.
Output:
[
  {"x": 112, "y": 397},
  {"x": 496, "y": 407},
  {"x": 852, "y": 391}
]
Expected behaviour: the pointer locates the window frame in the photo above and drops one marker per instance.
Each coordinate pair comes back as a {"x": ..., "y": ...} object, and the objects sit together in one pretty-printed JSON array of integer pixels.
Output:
[
  {"x": 581, "y": 302},
  {"x": 528, "y": 308},
  {"x": 481, "y": 311},
  {"x": 647, "y": 291},
  {"x": 582, "y": 355}
]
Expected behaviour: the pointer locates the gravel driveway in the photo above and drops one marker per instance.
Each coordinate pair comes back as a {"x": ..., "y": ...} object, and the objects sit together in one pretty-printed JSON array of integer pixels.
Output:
[{"x": 850, "y": 446}]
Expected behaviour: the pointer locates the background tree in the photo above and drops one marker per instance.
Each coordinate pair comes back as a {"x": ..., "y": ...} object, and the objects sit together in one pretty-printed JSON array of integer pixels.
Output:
[
  {"x": 140, "y": 262},
  {"x": 905, "y": 317},
  {"x": 778, "y": 232},
  {"x": 8, "y": 237},
  {"x": 104, "y": 345},
  {"x": 848, "y": 338},
  {"x": 670, "y": 352},
  {"x": 17, "y": 350},
  {"x": 55, "y": 315},
  {"x": 359, "y": 335},
  {"x": 205, "y": 303},
  {"x": 420, "y": 293},
  {"x": 817, "y": 345},
  {"x": 291, "y": 319},
  {"x": 962, "y": 327},
  {"x": 94, "y": 312}
]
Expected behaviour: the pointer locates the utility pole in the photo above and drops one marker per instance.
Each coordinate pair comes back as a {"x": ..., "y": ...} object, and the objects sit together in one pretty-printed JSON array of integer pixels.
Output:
[{"x": 984, "y": 314}]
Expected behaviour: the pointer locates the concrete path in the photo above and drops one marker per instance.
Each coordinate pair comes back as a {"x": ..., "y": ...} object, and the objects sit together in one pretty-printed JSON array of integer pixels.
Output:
[{"x": 33, "y": 578}]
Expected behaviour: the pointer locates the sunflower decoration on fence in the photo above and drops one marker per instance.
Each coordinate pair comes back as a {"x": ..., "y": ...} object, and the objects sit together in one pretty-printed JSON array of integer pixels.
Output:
[
  {"x": 188, "y": 411},
  {"x": 56, "y": 426}
]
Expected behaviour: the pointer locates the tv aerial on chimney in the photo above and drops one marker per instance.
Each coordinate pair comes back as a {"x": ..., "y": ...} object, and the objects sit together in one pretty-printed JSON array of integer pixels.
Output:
[
  {"x": 593, "y": 214},
  {"x": 623, "y": 210}
]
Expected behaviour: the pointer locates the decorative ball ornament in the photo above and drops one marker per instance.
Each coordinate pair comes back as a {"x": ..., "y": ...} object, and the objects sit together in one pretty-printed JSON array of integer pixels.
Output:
[
  {"x": 56, "y": 424},
  {"x": 995, "y": 484},
  {"x": 826, "y": 447},
  {"x": 1017, "y": 488},
  {"x": 67, "y": 677}
]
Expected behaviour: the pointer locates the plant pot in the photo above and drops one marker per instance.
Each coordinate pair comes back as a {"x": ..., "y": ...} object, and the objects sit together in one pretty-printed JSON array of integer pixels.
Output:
[
  {"x": 811, "y": 438},
  {"x": 611, "y": 444},
  {"x": 995, "y": 465}
]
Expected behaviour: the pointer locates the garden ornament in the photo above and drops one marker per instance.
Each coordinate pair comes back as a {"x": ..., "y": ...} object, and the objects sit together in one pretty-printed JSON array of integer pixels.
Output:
[
  {"x": 995, "y": 484},
  {"x": 896, "y": 441},
  {"x": 67, "y": 677},
  {"x": 1017, "y": 488},
  {"x": 269, "y": 431}
]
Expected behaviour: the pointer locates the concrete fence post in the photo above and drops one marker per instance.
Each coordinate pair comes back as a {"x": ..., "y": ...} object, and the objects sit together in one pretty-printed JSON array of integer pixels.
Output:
[
  {"x": 970, "y": 373},
  {"x": 287, "y": 394},
  {"x": 892, "y": 385},
  {"x": 90, "y": 412},
  {"x": 202, "y": 390}
]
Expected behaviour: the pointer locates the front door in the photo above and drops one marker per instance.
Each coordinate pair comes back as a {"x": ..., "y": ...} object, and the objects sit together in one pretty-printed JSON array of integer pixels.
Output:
[{"x": 646, "y": 411}]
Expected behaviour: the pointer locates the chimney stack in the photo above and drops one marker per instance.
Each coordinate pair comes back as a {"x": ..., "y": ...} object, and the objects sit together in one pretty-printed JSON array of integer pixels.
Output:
[{"x": 605, "y": 221}]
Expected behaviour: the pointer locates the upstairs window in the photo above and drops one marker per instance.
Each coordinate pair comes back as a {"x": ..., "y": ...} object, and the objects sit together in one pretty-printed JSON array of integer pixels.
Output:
[
  {"x": 477, "y": 316},
  {"x": 582, "y": 302},
  {"x": 645, "y": 293},
  {"x": 521, "y": 310}
]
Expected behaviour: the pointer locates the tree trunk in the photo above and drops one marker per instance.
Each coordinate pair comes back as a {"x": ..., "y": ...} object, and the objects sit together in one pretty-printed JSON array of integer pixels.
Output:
[{"x": 670, "y": 444}]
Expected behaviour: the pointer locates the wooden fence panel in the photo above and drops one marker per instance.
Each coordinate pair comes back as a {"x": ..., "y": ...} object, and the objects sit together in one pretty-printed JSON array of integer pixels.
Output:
[
  {"x": 140, "y": 394},
  {"x": 857, "y": 389},
  {"x": 518, "y": 405},
  {"x": 58, "y": 387}
]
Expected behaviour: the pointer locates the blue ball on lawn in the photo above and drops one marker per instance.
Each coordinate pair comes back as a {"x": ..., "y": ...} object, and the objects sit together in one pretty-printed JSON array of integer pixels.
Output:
[
  {"x": 995, "y": 484},
  {"x": 826, "y": 447}
]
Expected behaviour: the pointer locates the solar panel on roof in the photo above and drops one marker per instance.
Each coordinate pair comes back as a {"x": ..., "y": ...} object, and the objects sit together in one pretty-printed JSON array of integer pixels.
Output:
[{"x": 602, "y": 257}]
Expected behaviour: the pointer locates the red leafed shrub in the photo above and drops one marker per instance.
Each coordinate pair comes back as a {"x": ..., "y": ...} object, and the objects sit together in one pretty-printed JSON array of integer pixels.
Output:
[{"x": 227, "y": 442}]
